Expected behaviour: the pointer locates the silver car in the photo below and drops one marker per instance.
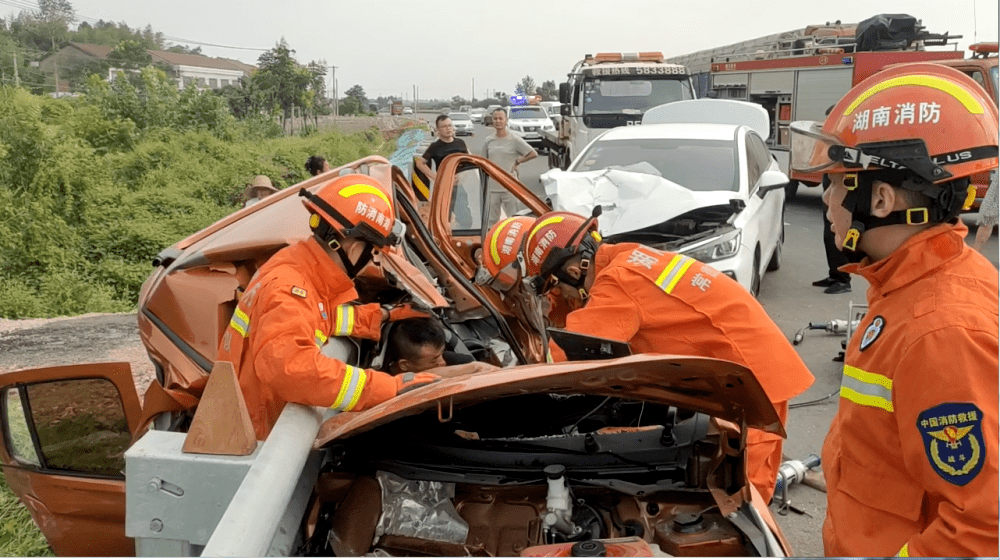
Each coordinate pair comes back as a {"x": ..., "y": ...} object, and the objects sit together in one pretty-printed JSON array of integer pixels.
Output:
[{"x": 463, "y": 124}]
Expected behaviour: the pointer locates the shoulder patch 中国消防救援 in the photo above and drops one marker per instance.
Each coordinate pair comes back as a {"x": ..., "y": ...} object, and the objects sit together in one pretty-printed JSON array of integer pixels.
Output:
[
  {"x": 953, "y": 441},
  {"x": 872, "y": 333},
  {"x": 297, "y": 291}
]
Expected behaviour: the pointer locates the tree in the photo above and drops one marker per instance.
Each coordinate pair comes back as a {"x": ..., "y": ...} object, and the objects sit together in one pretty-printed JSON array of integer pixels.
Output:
[
  {"x": 549, "y": 91},
  {"x": 458, "y": 101},
  {"x": 130, "y": 55},
  {"x": 526, "y": 86},
  {"x": 184, "y": 49},
  {"x": 357, "y": 92},
  {"x": 501, "y": 95},
  {"x": 278, "y": 79},
  {"x": 55, "y": 16},
  {"x": 350, "y": 106}
]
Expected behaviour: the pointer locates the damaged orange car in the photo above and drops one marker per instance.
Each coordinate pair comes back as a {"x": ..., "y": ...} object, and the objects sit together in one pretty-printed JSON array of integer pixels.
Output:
[{"x": 634, "y": 456}]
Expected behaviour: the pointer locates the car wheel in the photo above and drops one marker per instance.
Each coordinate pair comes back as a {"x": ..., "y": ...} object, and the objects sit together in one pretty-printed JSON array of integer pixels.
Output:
[
  {"x": 775, "y": 262},
  {"x": 755, "y": 274}
]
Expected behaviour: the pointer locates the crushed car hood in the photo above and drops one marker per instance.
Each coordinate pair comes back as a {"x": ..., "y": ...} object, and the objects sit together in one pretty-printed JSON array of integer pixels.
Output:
[
  {"x": 718, "y": 388},
  {"x": 627, "y": 197}
]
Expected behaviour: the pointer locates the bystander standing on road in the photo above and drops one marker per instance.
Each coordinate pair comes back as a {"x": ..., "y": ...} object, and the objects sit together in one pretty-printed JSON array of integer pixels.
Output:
[
  {"x": 836, "y": 282},
  {"x": 911, "y": 456},
  {"x": 988, "y": 211},
  {"x": 466, "y": 187},
  {"x": 507, "y": 151}
]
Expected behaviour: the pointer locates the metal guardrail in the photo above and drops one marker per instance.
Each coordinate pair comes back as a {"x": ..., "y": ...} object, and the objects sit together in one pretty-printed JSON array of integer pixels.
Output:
[{"x": 248, "y": 527}]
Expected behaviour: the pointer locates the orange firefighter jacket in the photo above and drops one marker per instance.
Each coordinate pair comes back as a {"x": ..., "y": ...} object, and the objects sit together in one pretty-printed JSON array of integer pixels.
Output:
[
  {"x": 911, "y": 456},
  {"x": 294, "y": 302},
  {"x": 667, "y": 303}
]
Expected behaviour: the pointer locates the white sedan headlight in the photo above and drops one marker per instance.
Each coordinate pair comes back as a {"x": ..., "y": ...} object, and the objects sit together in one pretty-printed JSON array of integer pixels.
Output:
[
  {"x": 720, "y": 248},
  {"x": 516, "y": 127},
  {"x": 548, "y": 127}
]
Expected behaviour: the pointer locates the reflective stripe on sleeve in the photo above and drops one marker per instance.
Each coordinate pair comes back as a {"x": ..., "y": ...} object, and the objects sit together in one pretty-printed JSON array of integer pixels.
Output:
[
  {"x": 320, "y": 338},
  {"x": 904, "y": 552},
  {"x": 673, "y": 272},
  {"x": 350, "y": 389},
  {"x": 866, "y": 388},
  {"x": 240, "y": 322},
  {"x": 345, "y": 321}
]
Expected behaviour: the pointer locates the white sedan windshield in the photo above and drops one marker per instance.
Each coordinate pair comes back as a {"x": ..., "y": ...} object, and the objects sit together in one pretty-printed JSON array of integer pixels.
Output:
[{"x": 698, "y": 165}]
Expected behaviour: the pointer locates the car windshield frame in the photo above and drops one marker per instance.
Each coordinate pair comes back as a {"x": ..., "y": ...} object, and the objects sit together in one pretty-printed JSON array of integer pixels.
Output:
[
  {"x": 459, "y": 116},
  {"x": 539, "y": 113},
  {"x": 993, "y": 76},
  {"x": 662, "y": 89},
  {"x": 699, "y": 178}
]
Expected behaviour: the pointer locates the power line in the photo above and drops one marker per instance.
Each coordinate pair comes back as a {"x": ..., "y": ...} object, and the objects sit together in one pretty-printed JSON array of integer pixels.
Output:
[{"x": 25, "y": 5}]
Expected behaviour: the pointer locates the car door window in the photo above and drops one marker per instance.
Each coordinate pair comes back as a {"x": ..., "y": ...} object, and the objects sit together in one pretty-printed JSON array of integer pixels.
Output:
[
  {"x": 76, "y": 425},
  {"x": 18, "y": 435},
  {"x": 753, "y": 166},
  {"x": 758, "y": 159}
]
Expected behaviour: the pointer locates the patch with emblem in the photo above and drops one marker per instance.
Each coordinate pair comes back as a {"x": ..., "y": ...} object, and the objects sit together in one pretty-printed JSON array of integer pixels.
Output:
[
  {"x": 297, "y": 291},
  {"x": 953, "y": 440},
  {"x": 872, "y": 333}
]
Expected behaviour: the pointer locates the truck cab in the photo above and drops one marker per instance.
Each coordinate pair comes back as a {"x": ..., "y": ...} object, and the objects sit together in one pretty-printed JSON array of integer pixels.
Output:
[{"x": 608, "y": 90}]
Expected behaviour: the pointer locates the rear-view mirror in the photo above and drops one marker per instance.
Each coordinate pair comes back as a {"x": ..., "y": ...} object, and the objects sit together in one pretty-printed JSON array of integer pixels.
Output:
[
  {"x": 564, "y": 93},
  {"x": 771, "y": 180}
]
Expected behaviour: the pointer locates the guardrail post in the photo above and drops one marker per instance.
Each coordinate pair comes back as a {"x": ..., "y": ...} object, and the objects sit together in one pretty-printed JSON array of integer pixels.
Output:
[{"x": 249, "y": 524}]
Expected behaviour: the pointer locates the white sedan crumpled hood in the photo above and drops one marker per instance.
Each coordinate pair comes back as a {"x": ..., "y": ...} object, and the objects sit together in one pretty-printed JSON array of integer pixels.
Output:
[{"x": 629, "y": 200}]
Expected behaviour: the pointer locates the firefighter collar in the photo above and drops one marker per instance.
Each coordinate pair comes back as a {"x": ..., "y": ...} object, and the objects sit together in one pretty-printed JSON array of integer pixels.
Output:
[
  {"x": 953, "y": 441},
  {"x": 912, "y": 260}
]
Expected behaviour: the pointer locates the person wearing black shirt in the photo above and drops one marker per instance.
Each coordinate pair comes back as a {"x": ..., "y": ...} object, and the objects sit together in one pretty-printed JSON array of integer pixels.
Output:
[{"x": 444, "y": 146}]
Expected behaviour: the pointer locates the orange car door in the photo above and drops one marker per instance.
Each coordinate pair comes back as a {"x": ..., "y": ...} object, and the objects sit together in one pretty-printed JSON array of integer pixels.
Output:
[{"x": 64, "y": 433}]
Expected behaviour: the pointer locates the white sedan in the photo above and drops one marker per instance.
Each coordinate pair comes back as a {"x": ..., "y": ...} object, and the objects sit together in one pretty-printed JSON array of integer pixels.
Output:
[
  {"x": 463, "y": 124},
  {"x": 689, "y": 185}
]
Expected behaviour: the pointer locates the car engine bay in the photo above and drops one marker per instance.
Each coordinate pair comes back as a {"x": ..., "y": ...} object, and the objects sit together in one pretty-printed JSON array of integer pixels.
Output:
[{"x": 515, "y": 475}]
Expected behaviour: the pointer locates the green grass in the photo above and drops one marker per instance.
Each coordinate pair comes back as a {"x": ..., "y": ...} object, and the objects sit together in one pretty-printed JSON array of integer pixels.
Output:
[{"x": 19, "y": 536}]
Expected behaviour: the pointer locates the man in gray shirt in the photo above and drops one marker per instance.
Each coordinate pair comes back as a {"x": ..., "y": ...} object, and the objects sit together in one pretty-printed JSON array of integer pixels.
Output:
[{"x": 507, "y": 151}]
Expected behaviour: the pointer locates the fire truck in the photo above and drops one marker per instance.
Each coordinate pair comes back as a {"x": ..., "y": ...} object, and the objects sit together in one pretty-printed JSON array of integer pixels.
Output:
[
  {"x": 799, "y": 75},
  {"x": 608, "y": 90}
]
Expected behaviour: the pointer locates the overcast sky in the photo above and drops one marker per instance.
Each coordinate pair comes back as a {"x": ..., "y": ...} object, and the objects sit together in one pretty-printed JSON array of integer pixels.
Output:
[{"x": 441, "y": 46}]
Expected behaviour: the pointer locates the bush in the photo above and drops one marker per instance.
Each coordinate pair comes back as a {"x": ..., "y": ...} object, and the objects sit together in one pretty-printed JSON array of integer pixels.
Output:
[{"x": 92, "y": 189}]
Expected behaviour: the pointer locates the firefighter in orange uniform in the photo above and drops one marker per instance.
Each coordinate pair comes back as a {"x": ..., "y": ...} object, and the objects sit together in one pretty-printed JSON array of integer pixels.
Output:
[
  {"x": 305, "y": 294},
  {"x": 667, "y": 303},
  {"x": 503, "y": 265},
  {"x": 911, "y": 456}
]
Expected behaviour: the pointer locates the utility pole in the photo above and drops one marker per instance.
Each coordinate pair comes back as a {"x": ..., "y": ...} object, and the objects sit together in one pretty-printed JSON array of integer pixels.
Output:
[
  {"x": 473, "y": 90},
  {"x": 333, "y": 86},
  {"x": 17, "y": 78},
  {"x": 414, "y": 99}
]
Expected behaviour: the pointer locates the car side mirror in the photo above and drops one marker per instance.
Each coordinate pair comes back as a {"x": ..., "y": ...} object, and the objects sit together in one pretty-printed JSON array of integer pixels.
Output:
[
  {"x": 564, "y": 93},
  {"x": 712, "y": 94},
  {"x": 771, "y": 180}
]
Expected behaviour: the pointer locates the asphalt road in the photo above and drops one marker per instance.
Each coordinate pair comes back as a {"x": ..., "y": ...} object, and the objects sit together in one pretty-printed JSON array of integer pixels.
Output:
[{"x": 792, "y": 302}]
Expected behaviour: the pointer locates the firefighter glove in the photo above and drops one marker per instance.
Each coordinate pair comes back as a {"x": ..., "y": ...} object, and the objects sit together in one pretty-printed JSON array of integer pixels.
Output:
[
  {"x": 405, "y": 311},
  {"x": 410, "y": 381}
]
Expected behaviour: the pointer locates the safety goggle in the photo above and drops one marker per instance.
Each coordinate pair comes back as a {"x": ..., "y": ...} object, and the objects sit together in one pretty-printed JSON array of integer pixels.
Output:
[{"x": 809, "y": 148}]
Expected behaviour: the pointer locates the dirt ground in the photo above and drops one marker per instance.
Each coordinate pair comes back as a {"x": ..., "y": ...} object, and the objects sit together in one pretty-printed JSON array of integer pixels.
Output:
[{"x": 35, "y": 343}]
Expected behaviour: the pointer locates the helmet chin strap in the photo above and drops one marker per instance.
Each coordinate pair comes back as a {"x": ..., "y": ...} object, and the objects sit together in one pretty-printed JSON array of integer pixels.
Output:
[
  {"x": 945, "y": 205},
  {"x": 329, "y": 236}
]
